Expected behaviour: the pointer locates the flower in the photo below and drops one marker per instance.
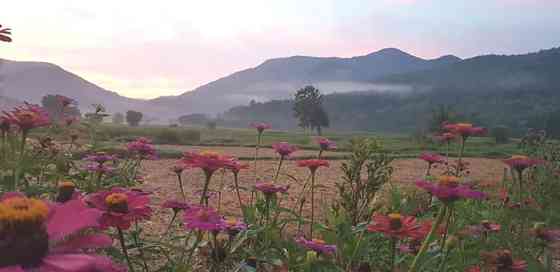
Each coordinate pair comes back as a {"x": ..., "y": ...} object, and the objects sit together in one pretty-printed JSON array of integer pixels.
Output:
[
  {"x": 395, "y": 225},
  {"x": 260, "y": 126},
  {"x": 233, "y": 226},
  {"x": 67, "y": 191},
  {"x": 142, "y": 148},
  {"x": 121, "y": 207},
  {"x": 284, "y": 149},
  {"x": 432, "y": 158},
  {"x": 502, "y": 260},
  {"x": 313, "y": 164},
  {"x": 316, "y": 245},
  {"x": 208, "y": 161},
  {"x": 203, "y": 219},
  {"x": 176, "y": 205},
  {"x": 28, "y": 116},
  {"x": 36, "y": 236},
  {"x": 464, "y": 129},
  {"x": 99, "y": 168},
  {"x": 445, "y": 137},
  {"x": 547, "y": 235},
  {"x": 100, "y": 158},
  {"x": 235, "y": 166},
  {"x": 5, "y": 34},
  {"x": 326, "y": 144},
  {"x": 179, "y": 168},
  {"x": 520, "y": 162},
  {"x": 269, "y": 188},
  {"x": 448, "y": 189},
  {"x": 483, "y": 228}
]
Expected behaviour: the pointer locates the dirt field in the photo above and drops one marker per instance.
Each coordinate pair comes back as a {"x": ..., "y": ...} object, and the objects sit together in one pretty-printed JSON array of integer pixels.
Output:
[
  {"x": 248, "y": 152},
  {"x": 163, "y": 182}
]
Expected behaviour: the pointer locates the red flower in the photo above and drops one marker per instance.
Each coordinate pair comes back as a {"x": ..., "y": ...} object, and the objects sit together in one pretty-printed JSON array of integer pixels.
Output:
[
  {"x": 326, "y": 144},
  {"x": 5, "y": 34},
  {"x": 284, "y": 149},
  {"x": 464, "y": 129},
  {"x": 208, "y": 161},
  {"x": 432, "y": 158},
  {"x": 27, "y": 117},
  {"x": 396, "y": 226},
  {"x": 142, "y": 148},
  {"x": 235, "y": 166},
  {"x": 121, "y": 207},
  {"x": 520, "y": 162},
  {"x": 313, "y": 164}
]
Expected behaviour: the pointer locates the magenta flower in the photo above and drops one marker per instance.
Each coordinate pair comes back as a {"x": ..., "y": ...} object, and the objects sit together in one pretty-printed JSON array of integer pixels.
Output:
[
  {"x": 67, "y": 191},
  {"x": 326, "y": 144},
  {"x": 99, "y": 168},
  {"x": 396, "y": 226},
  {"x": 432, "y": 158},
  {"x": 100, "y": 158},
  {"x": 121, "y": 207},
  {"x": 235, "y": 166},
  {"x": 284, "y": 149},
  {"x": 445, "y": 137},
  {"x": 448, "y": 189},
  {"x": 260, "y": 126},
  {"x": 27, "y": 117},
  {"x": 233, "y": 226},
  {"x": 313, "y": 164},
  {"x": 269, "y": 188},
  {"x": 465, "y": 130},
  {"x": 203, "y": 219},
  {"x": 37, "y": 236},
  {"x": 316, "y": 245},
  {"x": 179, "y": 168},
  {"x": 208, "y": 161},
  {"x": 484, "y": 228},
  {"x": 520, "y": 162},
  {"x": 142, "y": 148},
  {"x": 176, "y": 205}
]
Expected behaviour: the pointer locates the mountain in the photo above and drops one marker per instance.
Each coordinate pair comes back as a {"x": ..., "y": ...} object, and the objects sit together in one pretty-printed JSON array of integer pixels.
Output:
[
  {"x": 280, "y": 78},
  {"x": 519, "y": 91}
]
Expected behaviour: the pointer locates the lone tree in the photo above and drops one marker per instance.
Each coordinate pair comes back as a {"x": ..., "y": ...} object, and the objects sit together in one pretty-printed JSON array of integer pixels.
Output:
[
  {"x": 133, "y": 118},
  {"x": 308, "y": 108},
  {"x": 118, "y": 118},
  {"x": 60, "y": 107}
]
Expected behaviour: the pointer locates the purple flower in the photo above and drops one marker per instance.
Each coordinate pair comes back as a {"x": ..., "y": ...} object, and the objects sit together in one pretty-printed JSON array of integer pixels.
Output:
[
  {"x": 176, "y": 205},
  {"x": 142, "y": 148},
  {"x": 121, "y": 206},
  {"x": 326, "y": 144},
  {"x": 233, "y": 226},
  {"x": 316, "y": 245},
  {"x": 520, "y": 162},
  {"x": 100, "y": 158},
  {"x": 99, "y": 168},
  {"x": 260, "y": 126},
  {"x": 284, "y": 149},
  {"x": 203, "y": 219},
  {"x": 37, "y": 236},
  {"x": 448, "y": 189},
  {"x": 269, "y": 188}
]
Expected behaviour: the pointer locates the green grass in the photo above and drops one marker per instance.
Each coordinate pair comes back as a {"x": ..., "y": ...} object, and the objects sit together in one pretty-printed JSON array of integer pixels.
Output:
[{"x": 400, "y": 145}]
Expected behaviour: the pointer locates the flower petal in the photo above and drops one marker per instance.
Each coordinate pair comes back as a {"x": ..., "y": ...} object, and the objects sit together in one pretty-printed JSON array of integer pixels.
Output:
[
  {"x": 71, "y": 217},
  {"x": 84, "y": 242},
  {"x": 68, "y": 263}
]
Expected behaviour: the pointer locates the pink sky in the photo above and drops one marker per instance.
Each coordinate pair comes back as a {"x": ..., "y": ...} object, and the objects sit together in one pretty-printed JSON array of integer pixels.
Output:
[{"x": 150, "y": 48}]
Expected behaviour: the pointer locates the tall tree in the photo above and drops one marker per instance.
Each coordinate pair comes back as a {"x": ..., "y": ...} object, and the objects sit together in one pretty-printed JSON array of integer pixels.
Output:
[
  {"x": 308, "y": 109},
  {"x": 60, "y": 107},
  {"x": 133, "y": 118}
]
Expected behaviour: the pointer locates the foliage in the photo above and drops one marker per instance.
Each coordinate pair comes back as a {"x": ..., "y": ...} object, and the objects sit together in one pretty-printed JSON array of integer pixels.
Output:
[
  {"x": 175, "y": 136},
  {"x": 57, "y": 111},
  {"x": 193, "y": 119},
  {"x": 355, "y": 193},
  {"x": 118, "y": 118},
  {"x": 500, "y": 134},
  {"x": 308, "y": 109},
  {"x": 133, "y": 118}
]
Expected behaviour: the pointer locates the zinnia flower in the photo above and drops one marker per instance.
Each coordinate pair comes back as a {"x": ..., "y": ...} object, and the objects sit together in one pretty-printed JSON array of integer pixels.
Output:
[
  {"x": 269, "y": 188},
  {"x": 316, "y": 245},
  {"x": 432, "y": 158},
  {"x": 284, "y": 149},
  {"x": 203, "y": 219},
  {"x": 235, "y": 166},
  {"x": 208, "y": 161},
  {"x": 36, "y": 236},
  {"x": 313, "y": 164},
  {"x": 179, "y": 168},
  {"x": 142, "y": 148},
  {"x": 396, "y": 225},
  {"x": 445, "y": 137},
  {"x": 260, "y": 126},
  {"x": 27, "y": 117},
  {"x": 448, "y": 189},
  {"x": 520, "y": 162},
  {"x": 465, "y": 130},
  {"x": 99, "y": 168},
  {"x": 100, "y": 157},
  {"x": 549, "y": 236},
  {"x": 483, "y": 228},
  {"x": 326, "y": 144},
  {"x": 121, "y": 207},
  {"x": 67, "y": 191},
  {"x": 502, "y": 260},
  {"x": 233, "y": 226},
  {"x": 5, "y": 34},
  {"x": 176, "y": 205}
]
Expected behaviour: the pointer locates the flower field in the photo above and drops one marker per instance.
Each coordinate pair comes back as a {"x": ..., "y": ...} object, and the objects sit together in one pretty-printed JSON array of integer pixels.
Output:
[{"x": 69, "y": 206}]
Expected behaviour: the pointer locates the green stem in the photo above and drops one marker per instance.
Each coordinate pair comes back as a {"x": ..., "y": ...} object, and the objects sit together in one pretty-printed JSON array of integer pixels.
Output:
[
  {"x": 181, "y": 187},
  {"x": 236, "y": 181},
  {"x": 203, "y": 197},
  {"x": 426, "y": 242},
  {"x": 393, "y": 253},
  {"x": 257, "y": 155},
  {"x": 312, "y": 204},
  {"x": 124, "y": 249},
  {"x": 278, "y": 169}
]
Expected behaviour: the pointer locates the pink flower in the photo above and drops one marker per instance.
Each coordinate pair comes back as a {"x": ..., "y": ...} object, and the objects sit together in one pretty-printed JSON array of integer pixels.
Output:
[
  {"x": 100, "y": 158},
  {"x": 432, "y": 158},
  {"x": 284, "y": 149},
  {"x": 313, "y": 164},
  {"x": 203, "y": 219},
  {"x": 445, "y": 137},
  {"x": 233, "y": 226},
  {"x": 142, "y": 148},
  {"x": 235, "y": 166},
  {"x": 176, "y": 205},
  {"x": 260, "y": 126},
  {"x": 179, "y": 168},
  {"x": 448, "y": 189},
  {"x": 465, "y": 129},
  {"x": 326, "y": 144},
  {"x": 121, "y": 207},
  {"x": 483, "y": 228},
  {"x": 520, "y": 162},
  {"x": 396, "y": 226},
  {"x": 27, "y": 117},
  {"x": 99, "y": 168},
  {"x": 269, "y": 188},
  {"x": 37, "y": 236},
  {"x": 208, "y": 161},
  {"x": 316, "y": 245}
]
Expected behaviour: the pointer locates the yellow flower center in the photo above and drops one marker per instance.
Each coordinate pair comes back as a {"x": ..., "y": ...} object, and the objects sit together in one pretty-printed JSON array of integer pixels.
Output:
[
  {"x": 66, "y": 185},
  {"x": 231, "y": 222},
  {"x": 210, "y": 154},
  {"x": 464, "y": 125},
  {"x": 519, "y": 157},
  {"x": 318, "y": 241},
  {"x": 23, "y": 209},
  {"x": 117, "y": 202},
  {"x": 395, "y": 220},
  {"x": 448, "y": 180}
]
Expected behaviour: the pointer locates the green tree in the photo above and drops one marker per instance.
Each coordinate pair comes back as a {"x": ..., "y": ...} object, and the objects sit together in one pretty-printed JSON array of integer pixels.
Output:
[
  {"x": 133, "y": 118},
  {"x": 308, "y": 109},
  {"x": 59, "y": 110},
  {"x": 118, "y": 118}
]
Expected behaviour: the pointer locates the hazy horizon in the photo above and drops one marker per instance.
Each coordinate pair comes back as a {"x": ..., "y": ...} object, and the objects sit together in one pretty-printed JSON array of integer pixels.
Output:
[{"x": 143, "y": 50}]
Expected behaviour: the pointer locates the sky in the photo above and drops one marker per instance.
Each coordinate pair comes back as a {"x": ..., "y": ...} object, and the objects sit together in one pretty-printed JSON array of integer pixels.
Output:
[{"x": 146, "y": 49}]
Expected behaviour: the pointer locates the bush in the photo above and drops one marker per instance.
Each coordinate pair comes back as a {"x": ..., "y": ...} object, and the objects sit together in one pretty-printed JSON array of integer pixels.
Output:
[
  {"x": 177, "y": 136},
  {"x": 133, "y": 118},
  {"x": 501, "y": 134}
]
